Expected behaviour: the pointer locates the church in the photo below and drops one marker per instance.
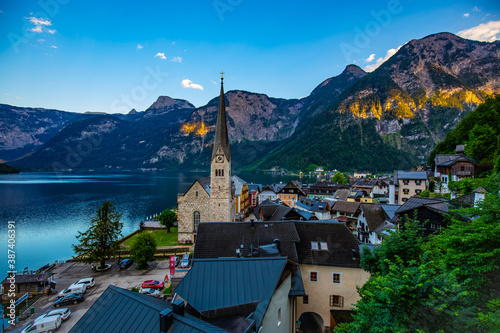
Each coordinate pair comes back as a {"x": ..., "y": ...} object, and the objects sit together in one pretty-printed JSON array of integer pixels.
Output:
[{"x": 210, "y": 199}]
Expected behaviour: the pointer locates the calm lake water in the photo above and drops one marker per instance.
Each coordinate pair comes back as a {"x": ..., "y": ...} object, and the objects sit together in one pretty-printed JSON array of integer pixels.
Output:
[{"x": 50, "y": 208}]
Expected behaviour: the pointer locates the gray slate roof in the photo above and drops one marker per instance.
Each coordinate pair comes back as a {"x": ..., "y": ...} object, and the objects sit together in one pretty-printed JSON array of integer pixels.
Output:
[
  {"x": 390, "y": 210},
  {"x": 342, "y": 195},
  {"x": 419, "y": 175},
  {"x": 374, "y": 215},
  {"x": 120, "y": 310},
  {"x": 217, "y": 286},
  {"x": 439, "y": 205},
  {"x": 346, "y": 207},
  {"x": 30, "y": 278}
]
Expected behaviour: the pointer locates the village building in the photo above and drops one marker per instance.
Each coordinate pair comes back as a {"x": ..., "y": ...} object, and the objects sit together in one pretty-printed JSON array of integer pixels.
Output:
[
  {"x": 291, "y": 193},
  {"x": 406, "y": 184},
  {"x": 254, "y": 194},
  {"x": 210, "y": 199},
  {"x": 324, "y": 190},
  {"x": 453, "y": 167}
]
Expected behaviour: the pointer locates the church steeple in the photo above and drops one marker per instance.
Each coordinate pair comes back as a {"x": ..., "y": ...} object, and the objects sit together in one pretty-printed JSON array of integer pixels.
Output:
[{"x": 221, "y": 135}]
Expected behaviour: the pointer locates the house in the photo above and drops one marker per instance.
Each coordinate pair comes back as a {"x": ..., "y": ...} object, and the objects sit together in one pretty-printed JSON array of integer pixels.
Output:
[
  {"x": 291, "y": 193},
  {"x": 474, "y": 198},
  {"x": 329, "y": 261},
  {"x": 323, "y": 190},
  {"x": 327, "y": 254},
  {"x": 347, "y": 212},
  {"x": 357, "y": 195},
  {"x": 406, "y": 184},
  {"x": 24, "y": 283},
  {"x": 457, "y": 166},
  {"x": 370, "y": 186},
  {"x": 341, "y": 195},
  {"x": 320, "y": 209},
  {"x": 121, "y": 310},
  {"x": 430, "y": 212},
  {"x": 253, "y": 195},
  {"x": 277, "y": 211},
  {"x": 371, "y": 222},
  {"x": 267, "y": 192},
  {"x": 362, "y": 174},
  {"x": 240, "y": 195}
]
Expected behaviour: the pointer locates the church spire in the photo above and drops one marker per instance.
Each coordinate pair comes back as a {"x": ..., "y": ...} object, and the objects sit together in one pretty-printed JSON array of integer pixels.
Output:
[{"x": 221, "y": 135}]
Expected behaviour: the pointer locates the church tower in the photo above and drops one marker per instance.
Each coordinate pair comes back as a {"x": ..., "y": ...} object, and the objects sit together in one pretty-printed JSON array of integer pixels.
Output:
[{"x": 221, "y": 193}]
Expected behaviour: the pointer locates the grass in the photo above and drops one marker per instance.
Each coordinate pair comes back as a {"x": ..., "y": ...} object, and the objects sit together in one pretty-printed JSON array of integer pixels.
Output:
[{"x": 161, "y": 236}]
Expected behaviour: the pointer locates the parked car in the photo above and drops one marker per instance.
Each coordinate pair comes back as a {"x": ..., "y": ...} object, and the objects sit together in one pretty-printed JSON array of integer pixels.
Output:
[
  {"x": 42, "y": 325},
  {"x": 185, "y": 261},
  {"x": 150, "y": 291},
  {"x": 152, "y": 284},
  {"x": 70, "y": 299},
  {"x": 63, "y": 313},
  {"x": 88, "y": 282},
  {"x": 177, "y": 261},
  {"x": 126, "y": 263},
  {"x": 73, "y": 289}
]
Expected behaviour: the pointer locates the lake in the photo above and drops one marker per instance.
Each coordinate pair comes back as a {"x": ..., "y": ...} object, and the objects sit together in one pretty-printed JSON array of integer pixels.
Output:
[{"x": 50, "y": 208}]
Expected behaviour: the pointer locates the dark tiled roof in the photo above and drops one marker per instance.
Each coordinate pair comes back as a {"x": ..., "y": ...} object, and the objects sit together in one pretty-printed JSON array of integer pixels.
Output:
[
  {"x": 436, "y": 204},
  {"x": 346, "y": 207},
  {"x": 459, "y": 159},
  {"x": 30, "y": 278},
  {"x": 272, "y": 211},
  {"x": 421, "y": 175},
  {"x": 340, "y": 241},
  {"x": 443, "y": 158},
  {"x": 386, "y": 225},
  {"x": 342, "y": 195},
  {"x": 120, "y": 310},
  {"x": 374, "y": 215},
  {"x": 221, "y": 239},
  {"x": 256, "y": 187},
  {"x": 226, "y": 286},
  {"x": 390, "y": 210}
]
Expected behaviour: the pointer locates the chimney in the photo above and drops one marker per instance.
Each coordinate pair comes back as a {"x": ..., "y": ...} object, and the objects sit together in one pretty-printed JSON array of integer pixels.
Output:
[
  {"x": 278, "y": 244},
  {"x": 178, "y": 307},
  {"x": 166, "y": 318},
  {"x": 251, "y": 223}
]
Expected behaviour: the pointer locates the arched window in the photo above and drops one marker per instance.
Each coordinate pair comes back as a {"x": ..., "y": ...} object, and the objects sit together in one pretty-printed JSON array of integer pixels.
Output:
[
  {"x": 196, "y": 220},
  {"x": 222, "y": 172}
]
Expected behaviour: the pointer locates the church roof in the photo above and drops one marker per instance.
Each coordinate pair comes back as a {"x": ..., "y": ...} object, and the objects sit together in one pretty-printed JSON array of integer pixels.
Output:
[{"x": 221, "y": 134}]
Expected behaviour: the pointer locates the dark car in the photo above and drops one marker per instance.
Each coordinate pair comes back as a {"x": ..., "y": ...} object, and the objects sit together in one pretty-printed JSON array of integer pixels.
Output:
[
  {"x": 70, "y": 299},
  {"x": 126, "y": 263},
  {"x": 177, "y": 261}
]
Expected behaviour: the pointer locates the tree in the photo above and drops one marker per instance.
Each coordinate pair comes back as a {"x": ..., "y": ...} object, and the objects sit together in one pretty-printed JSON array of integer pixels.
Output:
[
  {"x": 100, "y": 241},
  {"x": 339, "y": 178},
  {"x": 167, "y": 218},
  {"x": 143, "y": 250}
]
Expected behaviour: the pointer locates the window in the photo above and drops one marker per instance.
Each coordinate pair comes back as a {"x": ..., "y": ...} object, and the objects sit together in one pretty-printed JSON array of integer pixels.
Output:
[
  {"x": 196, "y": 220},
  {"x": 336, "y": 300},
  {"x": 405, "y": 181},
  {"x": 405, "y": 199},
  {"x": 462, "y": 168},
  {"x": 279, "y": 316},
  {"x": 335, "y": 277},
  {"x": 323, "y": 246},
  {"x": 305, "y": 299},
  {"x": 313, "y": 276},
  {"x": 418, "y": 181},
  {"x": 418, "y": 191},
  {"x": 406, "y": 191},
  {"x": 314, "y": 246},
  {"x": 197, "y": 194}
]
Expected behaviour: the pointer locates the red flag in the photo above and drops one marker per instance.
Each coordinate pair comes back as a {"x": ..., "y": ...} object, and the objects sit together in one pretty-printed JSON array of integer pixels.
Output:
[{"x": 172, "y": 265}]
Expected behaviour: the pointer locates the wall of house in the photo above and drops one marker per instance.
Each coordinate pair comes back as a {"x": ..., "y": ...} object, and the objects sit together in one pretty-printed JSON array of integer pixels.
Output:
[
  {"x": 263, "y": 196},
  {"x": 195, "y": 199},
  {"x": 279, "y": 312},
  {"x": 411, "y": 189},
  {"x": 319, "y": 292}
]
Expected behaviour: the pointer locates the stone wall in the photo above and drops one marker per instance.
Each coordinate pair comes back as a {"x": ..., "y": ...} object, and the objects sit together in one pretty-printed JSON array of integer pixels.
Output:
[{"x": 195, "y": 199}]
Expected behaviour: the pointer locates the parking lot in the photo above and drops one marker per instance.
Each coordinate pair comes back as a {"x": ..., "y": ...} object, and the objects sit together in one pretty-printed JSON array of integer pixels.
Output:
[{"x": 68, "y": 273}]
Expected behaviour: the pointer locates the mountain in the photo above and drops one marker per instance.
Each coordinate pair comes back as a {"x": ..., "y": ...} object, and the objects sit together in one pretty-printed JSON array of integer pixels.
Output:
[
  {"x": 406, "y": 106},
  {"x": 23, "y": 130},
  {"x": 389, "y": 118}
]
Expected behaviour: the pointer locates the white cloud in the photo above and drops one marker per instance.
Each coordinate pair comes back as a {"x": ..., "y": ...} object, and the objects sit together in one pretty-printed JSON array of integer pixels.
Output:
[
  {"x": 140, "y": 47},
  {"x": 213, "y": 82},
  {"x": 173, "y": 43},
  {"x": 466, "y": 15},
  {"x": 37, "y": 28},
  {"x": 370, "y": 58},
  {"x": 486, "y": 32},
  {"x": 41, "y": 40},
  {"x": 39, "y": 21},
  {"x": 189, "y": 84},
  {"x": 51, "y": 31},
  {"x": 54, "y": 47},
  {"x": 161, "y": 55},
  {"x": 380, "y": 61},
  {"x": 176, "y": 59},
  {"x": 476, "y": 9}
]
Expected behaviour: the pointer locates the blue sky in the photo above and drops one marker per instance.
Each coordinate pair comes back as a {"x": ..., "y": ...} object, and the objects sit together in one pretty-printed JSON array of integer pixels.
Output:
[{"x": 112, "y": 56}]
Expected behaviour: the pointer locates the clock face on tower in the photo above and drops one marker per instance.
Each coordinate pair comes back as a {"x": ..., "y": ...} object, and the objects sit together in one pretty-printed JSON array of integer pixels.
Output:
[{"x": 219, "y": 158}]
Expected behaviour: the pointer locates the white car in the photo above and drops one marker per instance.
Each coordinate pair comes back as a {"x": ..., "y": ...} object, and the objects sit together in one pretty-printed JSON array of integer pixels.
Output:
[
  {"x": 64, "y": 313},
  {"x": 42, "y": 325},
  {"x": 73, "y": 289},
  {"x": 88, "y": 282},
  {"x": 150, "y": 291}
]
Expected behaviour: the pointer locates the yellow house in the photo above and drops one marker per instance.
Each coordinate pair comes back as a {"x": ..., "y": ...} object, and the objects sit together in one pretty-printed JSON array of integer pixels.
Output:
[
  {"x": 240, "y": 194},
  {"x": 291, "y": 193},
  {"x": 330, "y": 267}
]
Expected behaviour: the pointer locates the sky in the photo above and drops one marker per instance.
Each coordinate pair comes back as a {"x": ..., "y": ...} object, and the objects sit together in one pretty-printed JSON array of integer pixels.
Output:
[{"x": 114, "y": 56}]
